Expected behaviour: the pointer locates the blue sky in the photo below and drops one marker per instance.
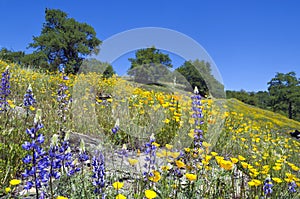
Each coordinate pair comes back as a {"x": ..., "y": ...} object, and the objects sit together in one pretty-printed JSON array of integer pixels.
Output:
[{"x": 248, "y": 40}]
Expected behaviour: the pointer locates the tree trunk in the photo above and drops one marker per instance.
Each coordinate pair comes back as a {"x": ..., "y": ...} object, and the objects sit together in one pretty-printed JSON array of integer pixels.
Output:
[{"x": 290, "y": 110}]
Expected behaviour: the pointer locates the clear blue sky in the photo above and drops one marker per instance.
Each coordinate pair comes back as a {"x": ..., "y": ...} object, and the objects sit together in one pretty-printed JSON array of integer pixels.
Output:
[{"x": 248, "y": 40}]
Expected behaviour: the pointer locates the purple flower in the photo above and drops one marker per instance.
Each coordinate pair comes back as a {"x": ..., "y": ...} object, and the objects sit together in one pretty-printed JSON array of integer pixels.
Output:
[
  {"x": 292, "y": 187},
  {"x": 83, "y": 157},
  {"x": 197, "y": 115},
  {"x": 98, "y": 165},
  {"x": 27, "y": 159},
  {"x": 40, "y": 139},
  {"x": 28, "y": 98},
  {"x": 4, "y": 90},
  {"x": 28, "y": 185},
  {"x": 150, "y": 159},
  {"x": 267, "y": 188},
  {"x": 115, "y": 129},
  {"x": 26, "y": 146}
]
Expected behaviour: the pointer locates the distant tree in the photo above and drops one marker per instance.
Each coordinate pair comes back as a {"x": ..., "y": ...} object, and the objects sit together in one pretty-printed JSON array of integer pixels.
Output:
[
  {"x": 36, "y": 60},
  {"x": 284, "y": 90},
  {"x": 65, "y": 41},
  {"x": 241, "y": 95},
  {"x": 198, "y": 73},
  {"x": 11, "y": 56},
  {"x": 149, "y": 65},
  {"x": 263, "y": 99},
  {"x": 193, "y": 76},
  {"x": 108, "y": 72},
  {"x": 150, "y": 56},
  {"x": 94, "y": 65}
]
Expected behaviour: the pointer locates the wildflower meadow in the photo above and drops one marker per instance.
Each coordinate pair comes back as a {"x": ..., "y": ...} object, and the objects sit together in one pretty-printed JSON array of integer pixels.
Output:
[{"x": 86, "y": 136}]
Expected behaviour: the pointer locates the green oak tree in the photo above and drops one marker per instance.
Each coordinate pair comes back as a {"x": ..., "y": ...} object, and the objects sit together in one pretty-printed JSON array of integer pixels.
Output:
[
  {"x": 63, "y": 40},
  {"x": 149, "y": 65},
  {"x": 198, "y": 73},
  {"x": 94, "y": 65},
  {"x": 11, "y": 56},
  {"x": 284, "y": 91}
]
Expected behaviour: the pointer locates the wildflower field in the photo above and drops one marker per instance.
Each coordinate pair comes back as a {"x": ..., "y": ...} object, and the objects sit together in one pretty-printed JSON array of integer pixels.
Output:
[{"x": 85, "y": 136}]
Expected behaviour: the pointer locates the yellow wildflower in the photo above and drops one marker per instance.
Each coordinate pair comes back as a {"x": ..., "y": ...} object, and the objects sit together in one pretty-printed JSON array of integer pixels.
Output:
[
  {"x": 206, "y": 145},
  {"x": 150, "y": 194},
  {"x": 169, "y": 146},
  {"x": 155, "y": 144},
  {"x": 241, "y": 158},
  {"x": 180, "y": 164},
  {"x": 167, "y": 121},
  {"x": 120, "y": 196},
  {"x": 132, "y": 162},
  {"x": 7, "y": 189},
  {"x": 165, "y": 168},
  {"x": 175, "y": 154},
  {"x": 234, "y": 160},
  {"x": 219, "y": 159},
  {"x": 118, "y": 185},
  {"x": 156, "y": 176},
  {"x": 14, "y": 182},
  {"x": 226, "y": 164},
  {"x": 244, "y": 165},
  {"x": 61, "y": 197},
  {"x": 254, "y": 182},
  {"x": 278, "y": 180},
  {"x": 192, "y": 133},
  {"x": 11, "y": 104},
  {"x": 191, "y": 177}
]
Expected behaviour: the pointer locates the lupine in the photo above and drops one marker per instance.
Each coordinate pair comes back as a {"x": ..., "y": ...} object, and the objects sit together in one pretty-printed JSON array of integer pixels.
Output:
[
  {"x": 58, "y": 158},
  {"x": 150, "y": 158},
  {"x": 115, "y": 129},
  {"x": 292, "y": 187},
  {"x": 29, "y": 99},
  {"x": 63, "y": 100},
  {"x": 65, "y": 153},
  {"x": 198, "y": 117},
  {"x": 4, "y": 89},
  {"x": 267, "y": 188},
  {"x": 82, "y": 157},
  {"x": 37, "y": 171},
  {"x": 98, "y": 164}
]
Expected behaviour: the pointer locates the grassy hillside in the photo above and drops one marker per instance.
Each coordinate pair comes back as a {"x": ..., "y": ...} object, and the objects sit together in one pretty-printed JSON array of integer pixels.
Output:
[{"x": 242, "y": 146}]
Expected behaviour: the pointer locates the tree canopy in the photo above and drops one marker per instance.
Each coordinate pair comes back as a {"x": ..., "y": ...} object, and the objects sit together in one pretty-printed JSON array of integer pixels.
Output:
[
  {"x": 11, "y": 56},
  {"x": 198, "y": 73},
  {"x": 150, "y": 56},
  {"x": 94, "y": 65},
  {"x": 284, "y": 90},
  {"x": 283, "y": 95},
  {"x": 64, "y": 41},
  {"x": 149, "y": 65}
]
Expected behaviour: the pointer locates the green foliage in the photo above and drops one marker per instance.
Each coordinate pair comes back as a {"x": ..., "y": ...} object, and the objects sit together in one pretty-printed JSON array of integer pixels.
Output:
[
  {"x": 149, "y": 65},
  {"x": 94, "y": 65},
  {"x": 11, "y": 56},
  {"x": 108, "y": 72},
  {"x": 150, "y": 56},
  {"x": 284, "y": 90},
  {"x": 242, "y": 95},
  {"x": 11, "y": 152},
  {"x": 283, "y": 96},
  {"x": 37, "y": 60},
  {"x": 257, "y": 135},
  {"x": 63, "y": 40},
  {"x": 198, "y": 73}
]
